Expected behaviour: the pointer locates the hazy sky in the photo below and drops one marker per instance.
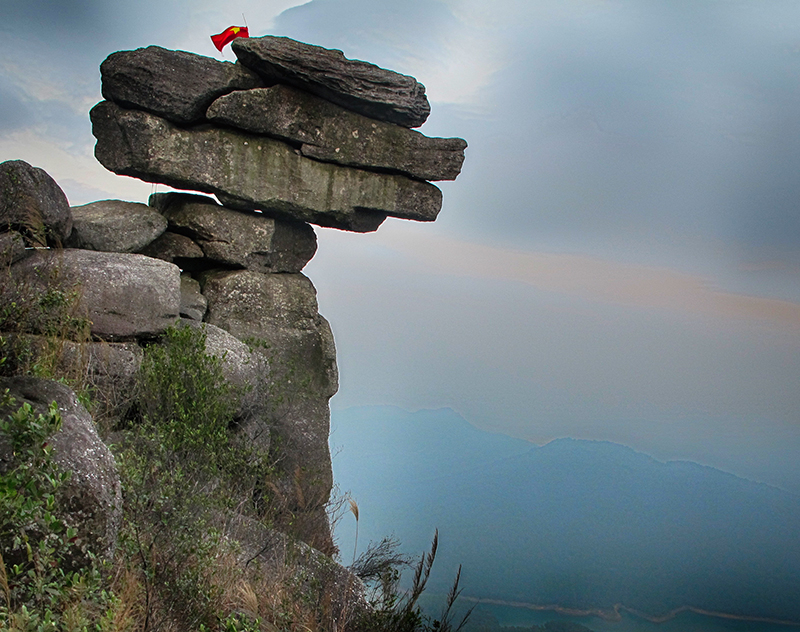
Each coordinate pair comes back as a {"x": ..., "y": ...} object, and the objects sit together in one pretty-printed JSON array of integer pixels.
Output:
[{"x": 620, "y": 258}]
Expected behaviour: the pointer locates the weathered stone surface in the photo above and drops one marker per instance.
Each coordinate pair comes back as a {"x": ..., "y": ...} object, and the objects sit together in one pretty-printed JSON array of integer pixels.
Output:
[
  {"x": 12, "y": 248},
  {"x": 91, "y": 499},
  {"x": 278, "y": 312},
  {"x": 331, "y": 133},
  {"x": 260, "y": 172},
  {"x": 115, "y": 226},
  {"x": 174, "y": 248},
  {"x": 124, "y": 295},
  {"x": 277, "y": 315},
  {"x": 174, "y": 84},
  {"x": 193, "y": 303},
  {"x": 247, "y": 240},
  {"x": 357, "y": 85},
  {"x": 32, "y": 203}
]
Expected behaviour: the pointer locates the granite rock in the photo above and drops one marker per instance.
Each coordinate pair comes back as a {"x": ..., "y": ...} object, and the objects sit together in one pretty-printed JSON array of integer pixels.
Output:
[
  {"x": 328, "y": 132},
  {"x": 33, "y": 204},
  {"x": 115, "y": 226},
  {"x": 91, "y": 498},
  {"x": 356, "y": 85},
  {"x": 123, "y": 295},
  {"x": 240, "y": 239},
  {"x": 174, "y": 84},
  {"x": 255, "y": 171}
]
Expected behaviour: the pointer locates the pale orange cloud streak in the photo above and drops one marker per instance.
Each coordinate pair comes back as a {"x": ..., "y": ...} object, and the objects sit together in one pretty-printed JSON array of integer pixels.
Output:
[{"x": 592, "y": 278}]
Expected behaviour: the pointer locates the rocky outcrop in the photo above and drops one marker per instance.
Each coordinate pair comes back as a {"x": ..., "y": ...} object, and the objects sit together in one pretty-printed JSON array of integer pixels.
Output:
[
  {"x": 277, "y": 316},
  {"x": 330, "y": 133},
  {"x": 115, "y": 226},
  {"x": 174, "y": 84},
  {"x": 356, "y": 85},
  {"x": 91, "y": 498},
  {"x": 291, "y": 135},
  {"x": 33, "y": 204},
  {"x": 319, "y": 138}
]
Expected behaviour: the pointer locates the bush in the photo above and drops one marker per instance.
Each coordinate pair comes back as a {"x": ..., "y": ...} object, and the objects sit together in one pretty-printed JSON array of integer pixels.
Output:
[
  {"x": 182, "y": 471},
  {"x": 39, "y": 590}
]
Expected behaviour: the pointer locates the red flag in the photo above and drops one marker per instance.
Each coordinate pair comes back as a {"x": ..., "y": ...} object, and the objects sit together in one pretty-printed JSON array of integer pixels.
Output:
[{"x": 228, "y": 35}]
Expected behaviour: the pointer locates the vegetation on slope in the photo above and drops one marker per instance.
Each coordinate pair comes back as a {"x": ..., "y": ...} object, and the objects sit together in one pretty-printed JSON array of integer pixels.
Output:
[{"x": 183, "y": 472}]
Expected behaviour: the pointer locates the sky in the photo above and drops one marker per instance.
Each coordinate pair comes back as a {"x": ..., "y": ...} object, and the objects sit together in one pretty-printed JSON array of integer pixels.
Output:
[{"x": 620, "y": 257}]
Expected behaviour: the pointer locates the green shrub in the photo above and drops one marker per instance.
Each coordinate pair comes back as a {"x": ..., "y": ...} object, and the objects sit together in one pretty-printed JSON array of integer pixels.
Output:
[
  {"x": 40, "y": 590},
  {"x": 182, "y": 470}
]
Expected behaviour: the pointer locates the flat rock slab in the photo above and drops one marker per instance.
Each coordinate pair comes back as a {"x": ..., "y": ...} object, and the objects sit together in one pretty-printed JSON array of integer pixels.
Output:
[
  {"x": 328, "y": 132},
  {"x": 240, "y": 239},
  {"x": 33, "y": 204},
  {"x": 174, "y": 84},
  {"x": 356, "y": 85},
  {"x": 124, "y": 295},
  {"x": 254, "y": 171},
  {"x": 115, "y": 226}
]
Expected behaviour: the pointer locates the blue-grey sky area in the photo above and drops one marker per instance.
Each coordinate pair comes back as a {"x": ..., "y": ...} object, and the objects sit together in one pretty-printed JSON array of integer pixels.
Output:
[{"x": 620, "y": 258}]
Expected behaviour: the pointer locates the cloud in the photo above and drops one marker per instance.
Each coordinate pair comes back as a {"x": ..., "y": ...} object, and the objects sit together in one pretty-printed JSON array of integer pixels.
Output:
[
  {"x": 591, "y": 278},
  {"x": 74, "y": 169}
]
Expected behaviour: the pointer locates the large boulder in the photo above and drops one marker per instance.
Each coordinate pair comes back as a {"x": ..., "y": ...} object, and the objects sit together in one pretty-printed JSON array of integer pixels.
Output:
[
  {"x": 123, "y": 295},
  {"x": 331, "y": 133},
  {"x": 240, "y": 239},
  {"x": 115, "y": 226},
  {"x": 32, "y": 203},
  {"x": 174, "y": 84},
  {"x": 276, "y": 313},
  {"x": 258, "y": 172},
  {"x": 357, "y": 85},
  {"x": 91, "y": 499}
]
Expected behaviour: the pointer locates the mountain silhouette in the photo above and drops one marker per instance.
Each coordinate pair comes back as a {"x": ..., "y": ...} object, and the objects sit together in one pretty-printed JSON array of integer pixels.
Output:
[{"x": 581, "y": 524}]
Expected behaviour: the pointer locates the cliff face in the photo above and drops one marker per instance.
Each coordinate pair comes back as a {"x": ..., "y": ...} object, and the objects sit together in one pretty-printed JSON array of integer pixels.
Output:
[{"x": 291, "y": 135}]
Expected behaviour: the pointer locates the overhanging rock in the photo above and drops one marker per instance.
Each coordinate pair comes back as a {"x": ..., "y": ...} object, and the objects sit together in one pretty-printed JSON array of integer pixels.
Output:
[
  {"x": 256, "y": 172},
  {"x": 331, "y": 133}
]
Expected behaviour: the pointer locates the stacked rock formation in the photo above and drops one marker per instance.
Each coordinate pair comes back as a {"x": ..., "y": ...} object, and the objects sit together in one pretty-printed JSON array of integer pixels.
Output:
[
  {"x": 297, "y": 131},
  {"x": 290, "y": 134}
]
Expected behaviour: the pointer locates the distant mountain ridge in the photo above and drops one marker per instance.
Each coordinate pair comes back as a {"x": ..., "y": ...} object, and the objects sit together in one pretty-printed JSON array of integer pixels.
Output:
[{"x": 584, "y": 524}]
